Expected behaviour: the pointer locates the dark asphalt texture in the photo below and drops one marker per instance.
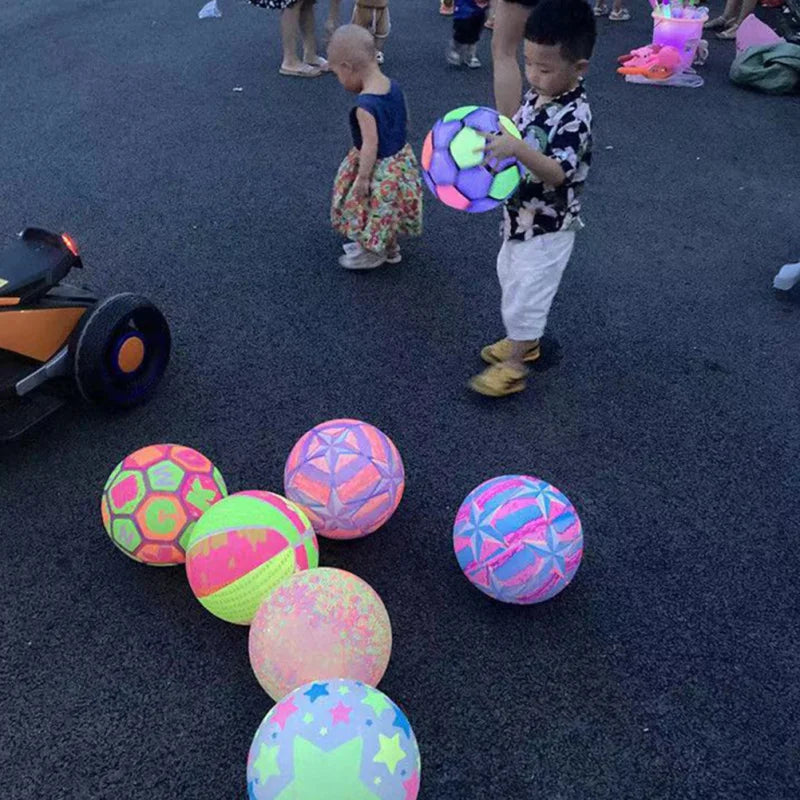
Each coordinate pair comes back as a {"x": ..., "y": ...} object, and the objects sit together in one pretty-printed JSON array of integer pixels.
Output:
[{"x": 669, "y": 415}]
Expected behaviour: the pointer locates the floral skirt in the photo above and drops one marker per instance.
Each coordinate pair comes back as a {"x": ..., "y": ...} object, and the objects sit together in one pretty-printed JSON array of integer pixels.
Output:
[{"x": 393, "y": 207}]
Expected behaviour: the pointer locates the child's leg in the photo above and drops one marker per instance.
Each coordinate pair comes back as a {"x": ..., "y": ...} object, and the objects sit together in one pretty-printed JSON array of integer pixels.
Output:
[
  {"x": 473, "y": 34},
  {"x": 456, "y": 50},
  {"x": 529, "y": 279},
  {"x": 530, "y": 273}
]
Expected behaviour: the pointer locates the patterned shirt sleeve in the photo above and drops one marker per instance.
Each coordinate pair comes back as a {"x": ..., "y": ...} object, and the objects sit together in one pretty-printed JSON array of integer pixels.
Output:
[{"x": 571, "y": 140}]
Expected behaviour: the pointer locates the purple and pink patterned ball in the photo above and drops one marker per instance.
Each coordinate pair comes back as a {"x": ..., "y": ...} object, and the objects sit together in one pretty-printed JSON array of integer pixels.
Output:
[
  {"x": 319, "y": 624},
  {"x": 347, "y": 475},
  {"x": 334, "y": 740},
  {"x": 452, "y": 160},
  {"x": 518, "y": 539}
]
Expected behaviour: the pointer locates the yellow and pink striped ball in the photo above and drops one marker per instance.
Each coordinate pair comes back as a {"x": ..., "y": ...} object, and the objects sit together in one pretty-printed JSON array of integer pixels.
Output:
[{"x": 238, "y": 554}]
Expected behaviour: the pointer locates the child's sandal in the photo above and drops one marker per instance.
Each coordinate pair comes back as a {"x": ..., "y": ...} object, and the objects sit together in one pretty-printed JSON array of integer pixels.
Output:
[
  {"x": 600, "y": 11},
  {"x": 623, "y": 15}
]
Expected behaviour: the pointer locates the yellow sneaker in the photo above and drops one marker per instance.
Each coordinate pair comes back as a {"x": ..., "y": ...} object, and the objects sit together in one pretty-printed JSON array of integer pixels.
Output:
[
  {"x": 498, "y": 380},
  {"x": 501, "y": 351}
]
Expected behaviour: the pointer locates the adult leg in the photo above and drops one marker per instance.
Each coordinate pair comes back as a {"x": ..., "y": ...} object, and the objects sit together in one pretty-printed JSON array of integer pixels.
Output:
[
  {"x": 334, "y": 15},
  {"x": 747, "y": 7},
  {"x": 729, "y": 13},
  {"x": 509, "y": 31},
  {"x": 308, "y": 30},
  {"x": 290, "y": 25}
]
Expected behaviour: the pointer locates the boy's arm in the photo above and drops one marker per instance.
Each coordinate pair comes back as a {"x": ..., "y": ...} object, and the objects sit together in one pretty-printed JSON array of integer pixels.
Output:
[
  {"x": 567, "y": 147},
  {"x": 546, "y": 169}
]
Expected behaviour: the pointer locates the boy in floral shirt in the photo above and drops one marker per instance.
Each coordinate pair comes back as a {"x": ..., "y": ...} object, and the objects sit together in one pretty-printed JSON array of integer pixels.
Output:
[{"x": 541, "y": 218}]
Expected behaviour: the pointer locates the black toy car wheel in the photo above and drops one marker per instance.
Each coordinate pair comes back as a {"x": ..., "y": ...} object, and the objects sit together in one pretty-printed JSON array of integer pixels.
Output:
[{"x": 120, "y": 350}]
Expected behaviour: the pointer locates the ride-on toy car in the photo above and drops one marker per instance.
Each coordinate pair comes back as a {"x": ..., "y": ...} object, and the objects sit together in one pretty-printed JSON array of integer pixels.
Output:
[{"x": 55, "y": 338}]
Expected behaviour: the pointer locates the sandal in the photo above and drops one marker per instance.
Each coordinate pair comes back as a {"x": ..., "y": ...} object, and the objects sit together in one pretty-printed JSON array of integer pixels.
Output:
[
  {"x": 600, "y": 11},
  {"x": 305, "y": 71},
  {"x": 623, "y": 15},
  {"x": 716, "y": 24},
  {"x": 320, "y": 63},
  {"x": 729, "y": 32},
  {"x": 498, "y": 380}
]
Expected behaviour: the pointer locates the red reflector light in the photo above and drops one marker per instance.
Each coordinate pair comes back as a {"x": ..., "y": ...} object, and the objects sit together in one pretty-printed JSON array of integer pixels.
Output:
[{"x": 70, "y": 243}]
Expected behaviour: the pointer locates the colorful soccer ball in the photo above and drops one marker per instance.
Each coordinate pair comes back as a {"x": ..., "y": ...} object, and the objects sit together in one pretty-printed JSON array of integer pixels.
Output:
[
  {"x": 518, "y": 539},
  {"x": 452, "y": 160},
  {"x": 317, "y": 624},
  {"x": 334, "y": 740},
  {"x": 347, "y": 475},
  {"x": 243, "y": 547},
  {"x": 154, "y": 497}
]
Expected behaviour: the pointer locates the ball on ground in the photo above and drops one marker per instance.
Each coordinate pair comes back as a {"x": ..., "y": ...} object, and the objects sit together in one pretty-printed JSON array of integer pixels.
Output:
[
  {"x": 518, "y": 539},
  {"x": 317, "y": 624},
  {"x": 347, "y": 475},
  {"x": 334, "y": 740},
  {"x": 452, "y": 160},
  {"x": 243, "y": 547},
  {"x": 153, "y": 498}
]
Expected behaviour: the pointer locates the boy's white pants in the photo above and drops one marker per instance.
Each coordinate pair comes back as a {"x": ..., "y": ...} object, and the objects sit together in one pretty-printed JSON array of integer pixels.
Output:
[{"x": 530, "y": 273}]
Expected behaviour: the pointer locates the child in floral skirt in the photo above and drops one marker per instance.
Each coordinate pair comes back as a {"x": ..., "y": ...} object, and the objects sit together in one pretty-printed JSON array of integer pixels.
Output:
[{"x": 377, "y": 195}]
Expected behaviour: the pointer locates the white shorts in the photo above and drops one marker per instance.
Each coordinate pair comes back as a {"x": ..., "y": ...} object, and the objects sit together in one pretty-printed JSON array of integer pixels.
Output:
[{"x": 530, "y": 273}]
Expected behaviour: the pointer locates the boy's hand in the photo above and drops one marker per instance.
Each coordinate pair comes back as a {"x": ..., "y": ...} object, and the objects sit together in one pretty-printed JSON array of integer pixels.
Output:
[
  {"x": 361, "y": 187},
  {"x": 499, "y": 147}
]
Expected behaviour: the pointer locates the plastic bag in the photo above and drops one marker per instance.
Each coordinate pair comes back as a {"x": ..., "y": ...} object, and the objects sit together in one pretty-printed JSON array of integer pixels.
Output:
[
  {"x": 209, "y": 10},
  {"x": 788, "y": 276}
]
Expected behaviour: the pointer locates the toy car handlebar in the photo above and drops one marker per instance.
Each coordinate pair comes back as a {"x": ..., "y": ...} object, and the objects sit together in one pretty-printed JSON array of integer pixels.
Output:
[{"x": 61, "y": 241}]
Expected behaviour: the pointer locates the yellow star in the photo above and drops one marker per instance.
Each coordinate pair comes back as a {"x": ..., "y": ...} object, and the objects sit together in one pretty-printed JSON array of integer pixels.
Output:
[
  {"x": 376, "y": 701},
  {"x": 390, "y": 752},
  {"x": 266, "y": 765}
]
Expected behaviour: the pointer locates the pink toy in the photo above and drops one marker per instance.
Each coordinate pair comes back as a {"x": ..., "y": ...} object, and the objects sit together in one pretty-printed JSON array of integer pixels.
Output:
[
  {"x": 682, "y": 33},
  {"x": 655, "y": 62}
]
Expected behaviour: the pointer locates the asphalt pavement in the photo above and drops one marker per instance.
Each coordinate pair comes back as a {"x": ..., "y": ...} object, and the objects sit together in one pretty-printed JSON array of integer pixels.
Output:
[{"x": 667, "y": 411}]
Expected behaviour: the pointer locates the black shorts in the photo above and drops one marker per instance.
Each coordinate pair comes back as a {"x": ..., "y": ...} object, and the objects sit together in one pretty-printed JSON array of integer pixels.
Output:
[{"x": 468, "y": 31}]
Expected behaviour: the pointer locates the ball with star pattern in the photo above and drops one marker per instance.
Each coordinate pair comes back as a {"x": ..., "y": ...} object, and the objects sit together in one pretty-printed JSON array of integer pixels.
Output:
[
  {"x": 348, "y": 475},
  {"x": 334, "y": 740},
  {"x": 518, "y": 539},
  {"x": 153, "y": 499}
]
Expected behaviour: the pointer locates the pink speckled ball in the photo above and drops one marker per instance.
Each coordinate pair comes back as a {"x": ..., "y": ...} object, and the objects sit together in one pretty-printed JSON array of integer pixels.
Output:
[{"x": 320, "y": 624}]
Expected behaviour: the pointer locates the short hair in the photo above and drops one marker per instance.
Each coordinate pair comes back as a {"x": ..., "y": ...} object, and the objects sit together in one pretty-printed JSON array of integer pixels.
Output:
[
  {"x": 354, "y": 44},
  {"x": 568, "y": 23}
]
